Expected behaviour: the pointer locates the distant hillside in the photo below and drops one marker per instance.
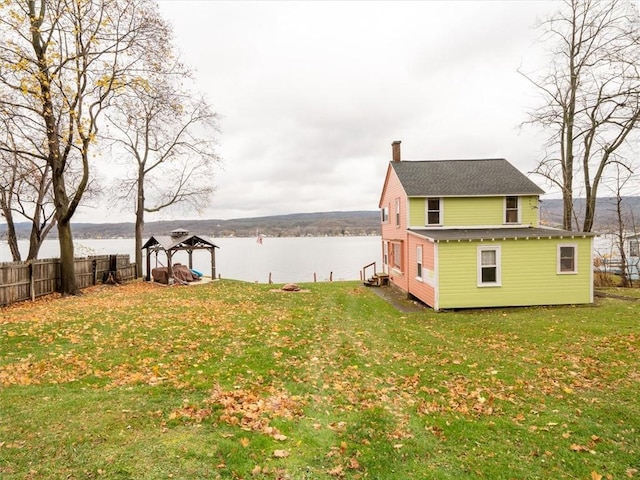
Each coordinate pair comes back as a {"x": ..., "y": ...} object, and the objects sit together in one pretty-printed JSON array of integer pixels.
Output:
[
  {"x": 295, "y": 225},
  {"x": 312, "y": 224},
  {"x": 606, "y": 216}
]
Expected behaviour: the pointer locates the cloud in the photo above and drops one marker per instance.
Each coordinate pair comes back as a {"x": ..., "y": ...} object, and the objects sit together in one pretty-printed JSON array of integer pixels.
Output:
[{"x": 312, "y": 94}]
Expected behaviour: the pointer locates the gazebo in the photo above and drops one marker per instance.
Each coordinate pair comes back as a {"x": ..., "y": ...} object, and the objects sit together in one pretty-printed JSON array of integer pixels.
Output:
[{"x": 180, "y": 240}]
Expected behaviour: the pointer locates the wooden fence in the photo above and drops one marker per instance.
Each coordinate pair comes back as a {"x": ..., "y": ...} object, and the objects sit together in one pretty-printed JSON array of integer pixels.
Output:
[{"x": 21, "y": 281}]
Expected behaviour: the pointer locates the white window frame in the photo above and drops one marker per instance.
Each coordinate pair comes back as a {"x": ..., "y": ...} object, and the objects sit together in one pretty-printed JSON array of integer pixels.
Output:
[
  {"x": 385, "y": 254},
  {"x": 498, "y": 266},
  {"x": 419, "y": 267},
  {"x": 634, "y": 247},
  {"x": 397, "y": 247},
  {"x": 398, "y": 212},
  {"x": 518, "y": 210},
  {"x": 427, "y": 210},
  {"x": 574, "y": 246},
  {"x": 385, "y": 214}
]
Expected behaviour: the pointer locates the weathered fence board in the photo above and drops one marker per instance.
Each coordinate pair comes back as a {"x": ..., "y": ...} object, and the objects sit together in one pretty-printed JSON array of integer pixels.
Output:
[
  {"x": 46, "y": 277},
  {"x": 20, "y": 281}
]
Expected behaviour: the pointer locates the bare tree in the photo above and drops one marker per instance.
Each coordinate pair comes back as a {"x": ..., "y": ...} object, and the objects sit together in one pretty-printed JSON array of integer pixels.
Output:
[
  {"x": 625, "y": 222},
  {"x": 64, "y": 60},
  {"x": 591, "y": 96},
  {"x": 169, "y": 135},
  {"x": 25, "y": 185},
  {"x": 8, "y": 185},
  {"x": 25, "y": 192}
]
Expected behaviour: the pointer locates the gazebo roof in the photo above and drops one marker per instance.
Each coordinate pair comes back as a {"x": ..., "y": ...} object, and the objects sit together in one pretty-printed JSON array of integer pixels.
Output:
[{"x": 184, "y": 242}]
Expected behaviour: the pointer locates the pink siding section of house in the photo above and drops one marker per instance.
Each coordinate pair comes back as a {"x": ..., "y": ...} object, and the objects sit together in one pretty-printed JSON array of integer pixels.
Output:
[
  {"x": 393, "y": 232},
  {"x": 422, "y": 288}
]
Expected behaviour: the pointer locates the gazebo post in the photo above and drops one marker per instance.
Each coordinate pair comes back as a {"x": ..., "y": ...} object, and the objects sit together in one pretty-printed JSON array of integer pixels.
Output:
[
  {"x": 169, "y": 264},
  {"x": 190, "y": 259},
  {"x": 213, "y": 263},
  {"x": 148, "y": 277}
]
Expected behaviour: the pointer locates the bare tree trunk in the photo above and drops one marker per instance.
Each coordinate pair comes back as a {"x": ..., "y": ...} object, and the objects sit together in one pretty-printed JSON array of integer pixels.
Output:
[
  {"x": 624, "y": 276},
  {"x": 68, "y": 284},
  {"x": 567, "y": 206},
  {"x": 568, "y": 122},
  {"x": 55, "y": 158},
  {"x": 139, "y": 221},
  {"x": 12, "y": 238},
  {"x": 590, "y": 212},
  {"x": 35, "y": 242},
  {"x": 5, "y": 205}
]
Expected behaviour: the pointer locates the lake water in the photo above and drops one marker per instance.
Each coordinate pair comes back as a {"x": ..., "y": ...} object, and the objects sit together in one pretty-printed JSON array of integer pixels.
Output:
[{"x": 287, "y": 259}]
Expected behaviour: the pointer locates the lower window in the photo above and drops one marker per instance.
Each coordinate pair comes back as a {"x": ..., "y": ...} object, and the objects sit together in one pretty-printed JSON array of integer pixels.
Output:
[
  {"x": 396, "y": 255},
  {"x": 567, "y": 259},
  {"x": 489, "y": 271}
]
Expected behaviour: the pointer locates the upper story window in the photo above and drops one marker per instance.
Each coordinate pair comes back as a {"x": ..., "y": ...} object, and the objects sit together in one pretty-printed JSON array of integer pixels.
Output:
[
  {"x": 512, "y": 210},
  {"x": 567, "y": 259},
  {"x": 385, "y": 214},
  {"x": 397, "y": 212},
  {"x": 634, "y": 248},
  {"x": 489, "y": 267},
  {"x": 433, "y": 211}
]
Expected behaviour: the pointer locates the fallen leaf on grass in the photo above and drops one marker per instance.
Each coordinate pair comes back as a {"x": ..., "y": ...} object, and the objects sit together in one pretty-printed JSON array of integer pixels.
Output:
[
  {"x": 281, "y": 453},
  {"x": 336, "y": 471},
  {"x": 244, "y": 441},
  {"x": 580, "y": 448}
]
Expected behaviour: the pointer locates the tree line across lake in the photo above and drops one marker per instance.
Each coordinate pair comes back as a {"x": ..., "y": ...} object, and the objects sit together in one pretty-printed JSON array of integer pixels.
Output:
[{"x": 351, "y": 223}]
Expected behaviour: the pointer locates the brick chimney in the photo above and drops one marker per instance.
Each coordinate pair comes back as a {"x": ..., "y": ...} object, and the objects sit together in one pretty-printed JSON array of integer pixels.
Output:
[{"x": 395, "y": 149}]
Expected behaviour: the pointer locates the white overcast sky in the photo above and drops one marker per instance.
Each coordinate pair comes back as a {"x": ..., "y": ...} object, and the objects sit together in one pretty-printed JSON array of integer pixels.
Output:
[{"x": 311, "y": 94}]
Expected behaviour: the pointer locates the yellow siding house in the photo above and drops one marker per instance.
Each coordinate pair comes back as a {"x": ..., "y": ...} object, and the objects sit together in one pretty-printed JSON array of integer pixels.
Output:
[{"x": 467, "y": 234}]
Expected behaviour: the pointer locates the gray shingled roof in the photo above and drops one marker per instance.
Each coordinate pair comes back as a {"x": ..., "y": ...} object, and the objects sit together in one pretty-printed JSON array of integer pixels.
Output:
[
  {"x": 459, "y": 234},
  {"x": 189, "y": 240},
  {"x": 481, "y": 177}
]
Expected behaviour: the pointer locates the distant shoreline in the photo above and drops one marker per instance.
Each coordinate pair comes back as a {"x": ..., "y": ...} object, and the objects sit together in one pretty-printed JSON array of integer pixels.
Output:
[{"x": 319, "y": 224}]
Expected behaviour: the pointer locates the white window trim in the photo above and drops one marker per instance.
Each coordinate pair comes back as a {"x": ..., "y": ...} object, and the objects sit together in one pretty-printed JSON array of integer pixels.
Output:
[
  {"x": 385, "y": 255},
  {"x": 426, "y": 212},
  {"x": 393, "y": 266},
  {"x": 498, "y": 250},
  {"x": 385, "y": 214},
  {"x": 575, "y": 259},
  {"x": 419, "y": 257},
  {"x": 397, "y": 213},
  {"x": 504, "y": 218}
]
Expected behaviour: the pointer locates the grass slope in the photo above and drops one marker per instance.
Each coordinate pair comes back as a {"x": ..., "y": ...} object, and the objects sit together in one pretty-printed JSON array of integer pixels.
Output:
[{"x": 233, "y": 380}]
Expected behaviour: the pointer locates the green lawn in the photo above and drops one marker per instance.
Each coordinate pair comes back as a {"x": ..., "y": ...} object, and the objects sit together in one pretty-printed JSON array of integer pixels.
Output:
[{"x": 233, "y": 380}]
